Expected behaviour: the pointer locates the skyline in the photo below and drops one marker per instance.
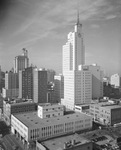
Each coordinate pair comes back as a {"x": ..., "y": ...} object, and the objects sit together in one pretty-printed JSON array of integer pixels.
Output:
[{"x": 43, "y": 30}]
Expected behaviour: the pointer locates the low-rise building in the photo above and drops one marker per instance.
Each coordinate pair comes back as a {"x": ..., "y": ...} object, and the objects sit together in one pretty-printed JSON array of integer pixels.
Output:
[
  {"x": 15, "y": 107},
  {"x": 85, "y": 108},
  {"x": 30, "y": 127},
  {"x": 70, "y": 142},
  {"x": 47, "y": 110},
  {"x": 102, "y": 140},
  {"x": 106, "y": 113}
]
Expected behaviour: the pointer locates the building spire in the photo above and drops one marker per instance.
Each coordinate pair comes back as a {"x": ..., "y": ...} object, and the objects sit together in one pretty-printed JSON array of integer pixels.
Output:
[{"x": 78, "y": 20}]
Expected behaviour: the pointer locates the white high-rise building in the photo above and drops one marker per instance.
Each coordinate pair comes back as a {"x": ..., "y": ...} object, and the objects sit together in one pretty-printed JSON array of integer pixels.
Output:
[
  {"x": 73, "y": 50},
  {"x": 115, "y": 80},
  {"x": 97, "y": 81},
  {"x": 77, "y": 77}
]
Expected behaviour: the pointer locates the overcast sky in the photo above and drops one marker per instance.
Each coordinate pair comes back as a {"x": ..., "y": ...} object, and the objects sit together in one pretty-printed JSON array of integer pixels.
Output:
[{"x": 41, "y": 26}]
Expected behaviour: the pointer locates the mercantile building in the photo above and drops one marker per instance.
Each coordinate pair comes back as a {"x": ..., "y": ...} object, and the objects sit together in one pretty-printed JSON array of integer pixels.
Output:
[
  {"x": 50, "y": 120},
  {"x": 106, "y": 113}
]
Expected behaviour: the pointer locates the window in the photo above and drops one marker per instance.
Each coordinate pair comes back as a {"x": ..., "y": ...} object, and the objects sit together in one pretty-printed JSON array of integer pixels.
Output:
[{"x": 48, "y": 116}]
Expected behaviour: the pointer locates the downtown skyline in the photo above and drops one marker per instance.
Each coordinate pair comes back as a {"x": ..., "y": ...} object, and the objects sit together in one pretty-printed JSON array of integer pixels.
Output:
[{"x": 42, "y": 27}]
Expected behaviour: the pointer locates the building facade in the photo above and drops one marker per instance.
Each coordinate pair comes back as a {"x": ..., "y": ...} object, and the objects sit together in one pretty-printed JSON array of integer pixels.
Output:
[
  {"x": 97, "y": 81},
  {"x": 115, "y": 80},
  {"x": 26, "y": 83},
  {"x": 48, "y": 110},
  {"x": 106, "y": 113},
  {"x": 40, "y": 85},
  {"x": 15, "y": 107},
  {"x": 2, "y": 80},
  {"x": 77, "y": 87},
  {"x": 10, "y": 93},
  {"x": 50, "y": 75},
  {"x": 11, "y": 80},
  {"x": 58, "y": 88},
  {"x": 50, "y": 96},
  {"x": 11, "y": 85}
]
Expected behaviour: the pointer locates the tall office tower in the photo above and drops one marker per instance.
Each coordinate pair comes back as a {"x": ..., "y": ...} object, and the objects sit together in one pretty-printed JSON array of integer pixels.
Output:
[
  {"x": 2, "y": 79},
  {"x": 58, "y": 87},
  {"x": 11, "y": 85},
  {"x": 97, "y": 81},
  {"x": 40, "y": 85},
  {"x": 21, "y": 62},
  {"x": 50, "y": 93},
  {"x": 11, "y": 80},
  {"x": 73, "y": 56},
  {"x": 115, "y": 80},
  {"x": 50, "y": 75},
  {"x": 26, "y": 83}
]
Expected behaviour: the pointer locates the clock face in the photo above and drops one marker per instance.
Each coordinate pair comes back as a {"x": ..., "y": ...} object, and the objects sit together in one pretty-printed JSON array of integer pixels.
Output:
[{"x": 79, "y": 34}]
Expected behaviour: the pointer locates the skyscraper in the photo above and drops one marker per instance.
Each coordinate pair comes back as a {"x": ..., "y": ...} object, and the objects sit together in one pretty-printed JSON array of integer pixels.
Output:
[
  {"x": 40, "y": 85},
  {"x": 2, "y": 79},
  {"x": 58, "y": 87},
  {"x": 11, "y": 85},
  {"x": 21, "y": 62},
  {"x": 11, "y": 80},
  {"x": 97, "y": 81},
  {"x": 73, "y": 50},
  {"x": 26, "y": 83},
  {"x": 50, "y": 75},
  {"x": 76, "y": 89}
]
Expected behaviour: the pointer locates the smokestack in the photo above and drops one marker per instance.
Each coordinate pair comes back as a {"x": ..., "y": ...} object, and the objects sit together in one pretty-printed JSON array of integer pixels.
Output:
[
  {"x": 65, "y": 146},
  {"x": 73, "y": 142}
]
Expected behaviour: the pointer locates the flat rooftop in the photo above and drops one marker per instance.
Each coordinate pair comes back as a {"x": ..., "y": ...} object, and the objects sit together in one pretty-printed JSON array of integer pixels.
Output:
[
  {"x": 82, "y": 105},
  {"x": 30, "y": 119},
  {"x": 49, "y": 104},
  {"x": 101, "y": 137},
  {"x": 58, "y": 143},
  {"x": 20, "y": 102},
  {"x": 108, "y": 139},
  {"x": 112, "y": 106},
  {"x": 107, "y": 105}
]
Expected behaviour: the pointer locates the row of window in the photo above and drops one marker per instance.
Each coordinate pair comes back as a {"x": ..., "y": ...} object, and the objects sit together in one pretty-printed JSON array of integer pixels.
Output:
[
  {"x": 58, "y": 129},
  {"x": 57, "y": 108},
  {"x": 54, "y": 115}
]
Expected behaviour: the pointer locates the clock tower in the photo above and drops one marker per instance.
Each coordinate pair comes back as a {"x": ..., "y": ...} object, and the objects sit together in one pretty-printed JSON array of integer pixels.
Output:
[
  {"x": 79, "y": 44},
  {"x": 73, "y": 72}
]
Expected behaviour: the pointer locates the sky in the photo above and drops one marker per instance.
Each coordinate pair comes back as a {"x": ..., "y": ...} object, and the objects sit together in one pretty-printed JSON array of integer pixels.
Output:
[{"x": 41, "y": 26}]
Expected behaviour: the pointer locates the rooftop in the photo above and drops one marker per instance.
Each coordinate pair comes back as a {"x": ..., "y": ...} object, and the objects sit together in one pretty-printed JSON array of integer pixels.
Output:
[
  {"x": 19, "y": 102},
  {"x": 107, "y": 105},
  {"x": 30, "y": 119},
  {"x": 102, "y": 138},
  {"x": 49, "y": 104},
  {"x": 70, "y": 140}
]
